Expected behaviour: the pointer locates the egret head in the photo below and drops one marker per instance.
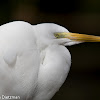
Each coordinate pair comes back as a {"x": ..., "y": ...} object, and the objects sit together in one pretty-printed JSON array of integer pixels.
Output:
[{"x": 49, "y": 33}]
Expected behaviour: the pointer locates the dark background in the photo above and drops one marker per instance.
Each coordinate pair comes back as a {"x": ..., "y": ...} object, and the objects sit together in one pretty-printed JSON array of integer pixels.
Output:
[{"x": 82, "y": 16}]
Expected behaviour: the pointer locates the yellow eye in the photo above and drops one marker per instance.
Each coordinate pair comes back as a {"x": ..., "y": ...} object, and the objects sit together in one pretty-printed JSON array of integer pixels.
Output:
[
  {"x": 60, "y": 35},
  {"x": 56, "y": 35}
]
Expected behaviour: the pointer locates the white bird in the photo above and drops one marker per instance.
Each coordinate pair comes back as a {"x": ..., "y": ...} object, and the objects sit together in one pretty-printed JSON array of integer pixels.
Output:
[{"x": 34, "y": 61}]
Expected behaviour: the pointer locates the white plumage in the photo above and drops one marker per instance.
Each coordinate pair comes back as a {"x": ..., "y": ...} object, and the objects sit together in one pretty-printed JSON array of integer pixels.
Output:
[
  {"x": 30, "y": 62},
  {"x": 33, "y": 62}
]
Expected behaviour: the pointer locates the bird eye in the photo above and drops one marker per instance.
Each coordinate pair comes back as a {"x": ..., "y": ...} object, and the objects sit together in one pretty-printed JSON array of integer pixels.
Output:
[
  {"x": 60, "y": 35},
  {"x": 56, "y": 35}
]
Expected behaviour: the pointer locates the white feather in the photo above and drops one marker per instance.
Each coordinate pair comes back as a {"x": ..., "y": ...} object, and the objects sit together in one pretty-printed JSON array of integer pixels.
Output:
[{"x": 33, "y": 63}]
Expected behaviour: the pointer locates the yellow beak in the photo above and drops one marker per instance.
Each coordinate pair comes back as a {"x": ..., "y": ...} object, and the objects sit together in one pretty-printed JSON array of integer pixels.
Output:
[{"x": 78, "y": 37}]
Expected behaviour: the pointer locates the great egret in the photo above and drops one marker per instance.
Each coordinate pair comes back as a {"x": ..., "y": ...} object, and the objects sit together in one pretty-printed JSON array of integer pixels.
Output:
[{"x": 34, "y": 61}]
